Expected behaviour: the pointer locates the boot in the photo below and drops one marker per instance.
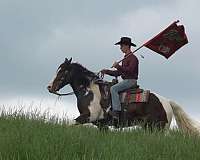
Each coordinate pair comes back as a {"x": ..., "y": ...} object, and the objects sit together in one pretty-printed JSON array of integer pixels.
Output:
[{"x": 114, "y": 114}]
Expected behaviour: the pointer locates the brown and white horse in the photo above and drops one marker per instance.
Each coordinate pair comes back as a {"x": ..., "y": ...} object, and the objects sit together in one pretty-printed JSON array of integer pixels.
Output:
[{"x": 158, "y": 112}]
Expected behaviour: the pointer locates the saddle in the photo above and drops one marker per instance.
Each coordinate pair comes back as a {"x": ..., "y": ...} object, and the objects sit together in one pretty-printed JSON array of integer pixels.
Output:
[{"x": 132, "y": 95}]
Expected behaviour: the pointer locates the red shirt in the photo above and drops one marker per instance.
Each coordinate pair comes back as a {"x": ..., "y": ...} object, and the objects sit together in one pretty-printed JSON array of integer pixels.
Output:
[{"x": 128, "y": 69}]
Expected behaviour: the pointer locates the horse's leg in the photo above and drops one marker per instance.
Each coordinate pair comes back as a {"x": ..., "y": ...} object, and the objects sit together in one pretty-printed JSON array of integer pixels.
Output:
[
  {"x": 83, "y": 118},
  {"x": 102, "y": 125}
]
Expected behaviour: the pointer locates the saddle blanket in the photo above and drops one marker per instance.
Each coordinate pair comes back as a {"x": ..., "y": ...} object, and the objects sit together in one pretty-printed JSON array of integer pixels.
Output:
[{"x": 128, "y": 97}]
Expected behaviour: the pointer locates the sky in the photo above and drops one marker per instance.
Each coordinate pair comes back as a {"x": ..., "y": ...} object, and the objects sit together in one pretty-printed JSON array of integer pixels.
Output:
[{"x": 36, "y": 36}]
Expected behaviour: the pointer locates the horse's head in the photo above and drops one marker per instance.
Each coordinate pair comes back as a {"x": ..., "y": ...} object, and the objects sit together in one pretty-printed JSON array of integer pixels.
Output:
[{"x": 62, "y": 78}]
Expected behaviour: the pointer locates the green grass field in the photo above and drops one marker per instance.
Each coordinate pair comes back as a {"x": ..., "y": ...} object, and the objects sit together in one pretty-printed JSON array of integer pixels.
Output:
[{"x": 26, "y": 136}]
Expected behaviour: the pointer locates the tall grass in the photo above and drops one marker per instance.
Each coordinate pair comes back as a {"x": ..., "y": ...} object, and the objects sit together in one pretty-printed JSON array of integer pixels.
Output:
[{"x": 36, "y": 136}]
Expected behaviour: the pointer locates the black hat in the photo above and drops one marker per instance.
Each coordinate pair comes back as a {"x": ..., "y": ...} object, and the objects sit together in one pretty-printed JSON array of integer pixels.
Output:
[{"x": 125, "y": 40}]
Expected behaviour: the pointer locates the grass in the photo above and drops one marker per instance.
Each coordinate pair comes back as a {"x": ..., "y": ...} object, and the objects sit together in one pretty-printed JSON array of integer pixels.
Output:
[{"x": 34, "y": 136}]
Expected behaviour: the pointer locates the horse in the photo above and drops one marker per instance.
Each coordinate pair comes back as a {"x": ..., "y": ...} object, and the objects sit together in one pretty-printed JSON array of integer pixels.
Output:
[{"x": 94, "y": 102}]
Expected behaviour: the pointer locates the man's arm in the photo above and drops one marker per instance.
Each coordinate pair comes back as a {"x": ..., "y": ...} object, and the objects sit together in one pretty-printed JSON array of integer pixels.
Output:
[
  {"x": 127, "y": 69},
  {"x": 114, "y": 73}
]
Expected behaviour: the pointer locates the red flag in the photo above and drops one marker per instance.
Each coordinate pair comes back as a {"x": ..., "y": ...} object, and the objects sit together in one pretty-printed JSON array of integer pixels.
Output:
[{"x": 169, "y": 40}]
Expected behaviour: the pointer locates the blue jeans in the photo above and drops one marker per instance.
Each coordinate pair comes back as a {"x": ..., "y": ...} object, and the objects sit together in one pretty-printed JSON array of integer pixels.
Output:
[{"x": 115, "y": 89}]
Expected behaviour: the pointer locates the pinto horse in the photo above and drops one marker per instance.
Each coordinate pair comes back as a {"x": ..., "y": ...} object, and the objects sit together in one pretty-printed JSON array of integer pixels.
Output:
[{"x": 93, "y": 108}]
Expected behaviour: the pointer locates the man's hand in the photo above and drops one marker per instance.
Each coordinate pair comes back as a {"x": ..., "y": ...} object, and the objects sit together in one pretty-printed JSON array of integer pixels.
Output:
[
  {"x": 115, "y": 64},
  {"x": 103, "y": 71}
]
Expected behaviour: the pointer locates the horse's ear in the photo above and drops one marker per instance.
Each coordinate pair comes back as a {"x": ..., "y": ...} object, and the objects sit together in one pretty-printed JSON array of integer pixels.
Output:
[{"x": 68, "y": 61}]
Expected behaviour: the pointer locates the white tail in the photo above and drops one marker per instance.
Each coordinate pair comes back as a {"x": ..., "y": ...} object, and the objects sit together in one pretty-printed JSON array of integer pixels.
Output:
[{"x": 184, "y": 122}]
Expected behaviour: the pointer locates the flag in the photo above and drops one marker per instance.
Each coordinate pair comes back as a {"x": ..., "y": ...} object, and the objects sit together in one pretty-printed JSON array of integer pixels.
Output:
[{"x": 169, "y": 40}]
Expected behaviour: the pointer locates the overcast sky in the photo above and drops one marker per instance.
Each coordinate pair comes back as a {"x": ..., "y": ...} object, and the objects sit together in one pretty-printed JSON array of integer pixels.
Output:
[{"x": 36, "y": 36}]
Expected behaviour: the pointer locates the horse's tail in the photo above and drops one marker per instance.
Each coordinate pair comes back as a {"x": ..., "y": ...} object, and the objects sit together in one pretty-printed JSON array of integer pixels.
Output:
[{"x": 184, "y": 122}]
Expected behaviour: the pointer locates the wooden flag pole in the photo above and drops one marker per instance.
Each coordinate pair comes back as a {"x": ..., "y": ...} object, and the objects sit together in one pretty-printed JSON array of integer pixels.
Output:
[{"x": 130, "y": 54}]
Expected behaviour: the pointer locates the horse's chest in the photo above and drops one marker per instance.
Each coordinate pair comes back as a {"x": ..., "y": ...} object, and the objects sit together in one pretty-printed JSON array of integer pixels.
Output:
[
  {"x": 90, "y": 103},
  {"x": 95, "y": 109}
]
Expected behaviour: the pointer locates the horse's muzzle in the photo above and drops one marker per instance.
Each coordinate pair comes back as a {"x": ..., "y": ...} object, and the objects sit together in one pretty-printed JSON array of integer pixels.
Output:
[{"x": 50, "y": 89}]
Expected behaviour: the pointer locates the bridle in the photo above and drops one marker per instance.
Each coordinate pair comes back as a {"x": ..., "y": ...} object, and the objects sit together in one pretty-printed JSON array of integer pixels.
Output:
[
  {"x": 99, "y": 74},
  {"x": 63, "y": 94}
]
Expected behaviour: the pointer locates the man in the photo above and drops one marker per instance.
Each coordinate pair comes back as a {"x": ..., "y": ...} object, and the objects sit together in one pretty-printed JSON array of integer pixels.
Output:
[{"x": 128, "y": 71}]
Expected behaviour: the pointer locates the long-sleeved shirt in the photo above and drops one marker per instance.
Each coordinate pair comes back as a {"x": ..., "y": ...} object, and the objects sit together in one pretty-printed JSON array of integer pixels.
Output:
[{"x": 128, "y": 69}]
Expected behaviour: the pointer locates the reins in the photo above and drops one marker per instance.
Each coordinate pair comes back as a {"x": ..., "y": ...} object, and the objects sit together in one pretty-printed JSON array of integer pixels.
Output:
[
  {"x": 64, "y": 94},
  {"x": 101, "y": 76}
]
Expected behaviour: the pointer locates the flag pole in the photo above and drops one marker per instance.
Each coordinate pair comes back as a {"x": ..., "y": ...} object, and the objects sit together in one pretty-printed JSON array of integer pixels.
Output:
[{"x": 130, "y": 54}]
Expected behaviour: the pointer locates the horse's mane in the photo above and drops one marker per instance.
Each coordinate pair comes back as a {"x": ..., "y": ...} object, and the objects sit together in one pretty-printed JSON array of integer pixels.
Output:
[{"x": 81, "y": 69}]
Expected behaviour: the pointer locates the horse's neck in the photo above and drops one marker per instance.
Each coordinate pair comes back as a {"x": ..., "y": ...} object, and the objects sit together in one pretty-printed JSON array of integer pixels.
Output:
[
  {"x": 82, "y": 90},
  {"x": 78, "y": 89}
]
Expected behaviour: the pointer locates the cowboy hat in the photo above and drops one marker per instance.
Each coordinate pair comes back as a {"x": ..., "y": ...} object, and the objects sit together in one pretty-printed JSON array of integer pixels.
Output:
[{"x": 126, "y": 41}]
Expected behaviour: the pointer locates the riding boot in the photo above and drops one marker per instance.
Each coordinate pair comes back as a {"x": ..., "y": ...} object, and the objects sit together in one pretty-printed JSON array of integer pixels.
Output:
[{"x": 115, "y": 114}]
